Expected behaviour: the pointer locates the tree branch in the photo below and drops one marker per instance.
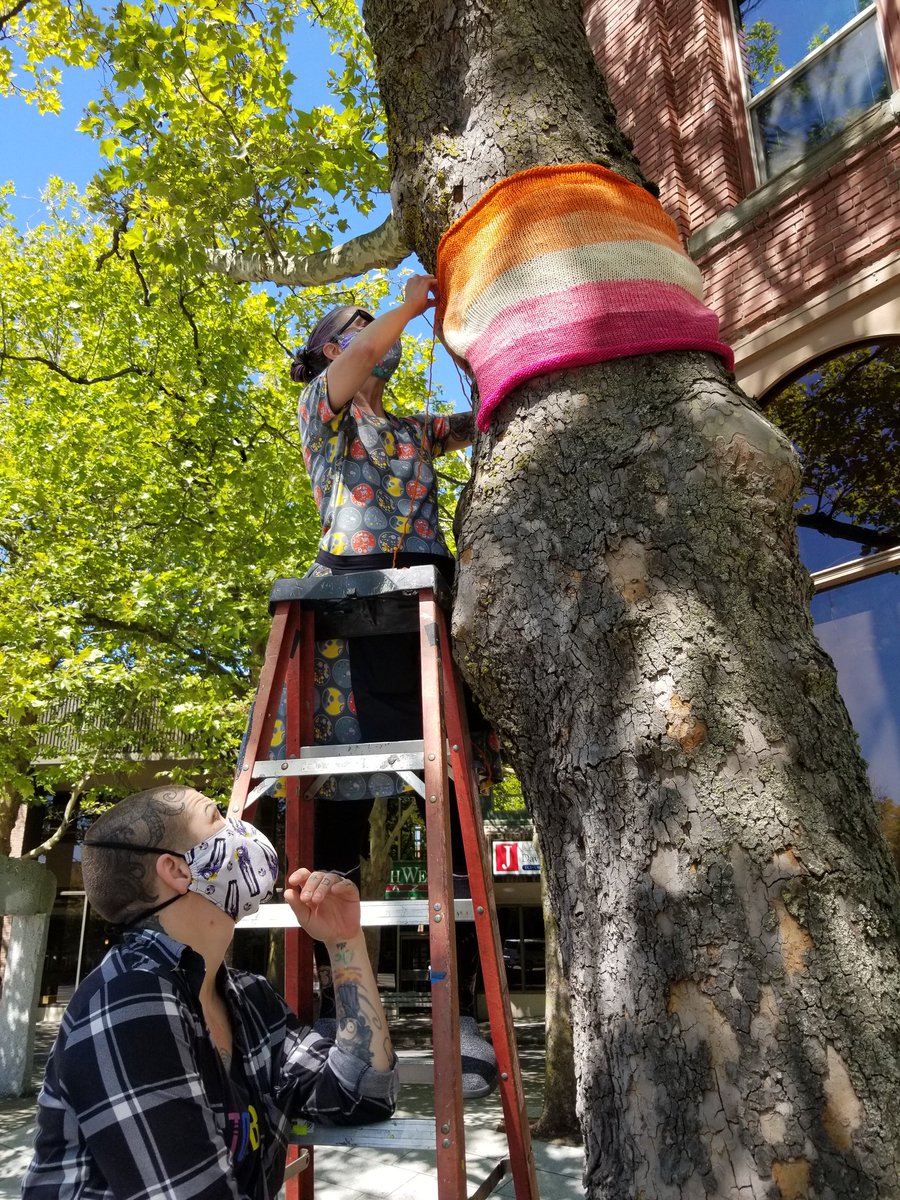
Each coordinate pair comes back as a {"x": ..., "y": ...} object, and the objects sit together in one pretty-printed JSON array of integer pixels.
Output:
[
  {"x": 113, "y": 251},
  {"x": 79, "y": 379},
  {"x": 381, "y": 247},
  {"x": 71, "y": 811},
  {"x": 148, "y": 298},
  {"x": 394, "y": 839},
  {"x": 13, "y": 12},
  {"x": 136, "y": 629},
  {"x": 849, "y": 533}
]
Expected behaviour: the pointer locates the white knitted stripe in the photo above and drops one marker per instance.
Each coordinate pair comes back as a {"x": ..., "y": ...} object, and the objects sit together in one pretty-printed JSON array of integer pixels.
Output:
[
  {"x": 492, "y": 249},
  {"x": 601, "y": 262}
]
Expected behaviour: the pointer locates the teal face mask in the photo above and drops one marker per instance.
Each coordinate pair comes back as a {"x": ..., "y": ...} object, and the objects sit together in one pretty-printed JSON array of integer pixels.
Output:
[{"x": 386, "y": 366}]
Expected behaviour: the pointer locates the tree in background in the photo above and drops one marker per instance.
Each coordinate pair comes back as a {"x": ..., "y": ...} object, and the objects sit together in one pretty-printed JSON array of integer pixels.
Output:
[{"x": 844, "y": 419}]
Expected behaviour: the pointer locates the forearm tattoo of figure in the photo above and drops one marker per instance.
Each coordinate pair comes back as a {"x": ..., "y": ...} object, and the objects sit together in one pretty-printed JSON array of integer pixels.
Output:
[
  {"x": 356, "y": 1027},
  {"x": 462, "y": 426}
]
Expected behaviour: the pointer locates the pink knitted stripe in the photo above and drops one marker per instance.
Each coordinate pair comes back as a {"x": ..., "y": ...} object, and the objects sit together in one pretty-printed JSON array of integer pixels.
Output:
[{"x": 591, "y": 323}]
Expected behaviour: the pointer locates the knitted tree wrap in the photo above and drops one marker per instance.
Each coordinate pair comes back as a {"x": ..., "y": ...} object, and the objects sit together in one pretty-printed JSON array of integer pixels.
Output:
[{"x": 565, "y": 266}]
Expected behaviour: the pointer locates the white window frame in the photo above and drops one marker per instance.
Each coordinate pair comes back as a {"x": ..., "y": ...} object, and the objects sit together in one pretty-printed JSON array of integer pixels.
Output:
[
  {"x": 751, "y": 102},
  {"x": 880, "y": 563}
]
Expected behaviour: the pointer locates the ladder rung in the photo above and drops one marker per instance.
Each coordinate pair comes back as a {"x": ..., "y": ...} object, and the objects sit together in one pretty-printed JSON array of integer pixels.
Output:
[
  {"x": 400, "y": 1133},
  {"x": 374, "y": 912},
  {"x": 344, "y": 760},
  {"x": 499, "y": 1172},
  {"x": 411, "y": 746}
]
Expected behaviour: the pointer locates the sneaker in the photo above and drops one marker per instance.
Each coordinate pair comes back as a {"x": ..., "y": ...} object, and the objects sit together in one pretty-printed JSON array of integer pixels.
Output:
[{"x": 479, "y": 1063}]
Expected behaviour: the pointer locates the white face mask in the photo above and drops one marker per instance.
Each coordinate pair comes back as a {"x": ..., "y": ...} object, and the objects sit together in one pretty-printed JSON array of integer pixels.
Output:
[{"x": 235, "y": 867}]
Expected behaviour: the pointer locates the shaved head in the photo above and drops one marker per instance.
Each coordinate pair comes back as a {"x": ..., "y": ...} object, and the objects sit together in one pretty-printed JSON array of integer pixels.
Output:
[{"x": 120, "y": 884}]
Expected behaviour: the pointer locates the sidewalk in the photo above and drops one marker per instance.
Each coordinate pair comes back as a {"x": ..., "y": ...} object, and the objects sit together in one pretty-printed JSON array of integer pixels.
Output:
[{"x": 375, "y": 1174}]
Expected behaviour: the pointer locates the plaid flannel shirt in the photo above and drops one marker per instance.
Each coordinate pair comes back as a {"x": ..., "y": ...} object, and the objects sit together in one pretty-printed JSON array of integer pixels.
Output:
[{"x": 134, "y": 1100}]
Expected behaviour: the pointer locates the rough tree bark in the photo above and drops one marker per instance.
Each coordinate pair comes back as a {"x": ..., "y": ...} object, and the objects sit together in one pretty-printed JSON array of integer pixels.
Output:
[
  {"x": 559, "y": 1117},
  {"x": 633, "y": 616}
]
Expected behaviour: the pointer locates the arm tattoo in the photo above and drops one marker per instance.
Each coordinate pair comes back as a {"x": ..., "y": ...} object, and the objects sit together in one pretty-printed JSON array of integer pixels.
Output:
[
  {"x": 357, "y": 1021},
  {"x": 354, "y": 1034},
  {"x": 462, "y": 426}
]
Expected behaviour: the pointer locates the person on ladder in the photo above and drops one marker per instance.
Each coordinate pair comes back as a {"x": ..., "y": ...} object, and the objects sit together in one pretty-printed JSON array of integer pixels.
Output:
[{"x": 375, "y": 488}]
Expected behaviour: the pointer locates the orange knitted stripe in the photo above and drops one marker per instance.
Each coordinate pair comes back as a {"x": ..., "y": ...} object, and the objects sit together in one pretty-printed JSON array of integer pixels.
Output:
[
  {"x": 479, "y": 267},
  {"x": 585, "y": 202}
]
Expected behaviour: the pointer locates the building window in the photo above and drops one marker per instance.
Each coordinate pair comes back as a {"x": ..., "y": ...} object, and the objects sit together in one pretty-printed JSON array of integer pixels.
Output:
[
  {"x": 812, "y": 67},
  {"x": 843, "y": 416}
]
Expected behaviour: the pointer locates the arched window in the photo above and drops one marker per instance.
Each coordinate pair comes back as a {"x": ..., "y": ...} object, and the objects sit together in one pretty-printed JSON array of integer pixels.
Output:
[{"x": 843, "y": 416}]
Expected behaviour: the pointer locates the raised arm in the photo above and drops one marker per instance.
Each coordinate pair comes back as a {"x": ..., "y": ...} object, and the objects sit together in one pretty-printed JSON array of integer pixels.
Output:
[{"x": 350, "y": 368}]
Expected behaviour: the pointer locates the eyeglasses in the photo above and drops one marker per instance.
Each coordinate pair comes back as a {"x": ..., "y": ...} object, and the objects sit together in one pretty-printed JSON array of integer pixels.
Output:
[{"x": 343, "y": 329}]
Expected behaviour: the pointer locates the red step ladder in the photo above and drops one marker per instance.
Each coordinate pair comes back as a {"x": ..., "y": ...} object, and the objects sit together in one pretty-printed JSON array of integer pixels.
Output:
[{"x": 379, "y": 602}]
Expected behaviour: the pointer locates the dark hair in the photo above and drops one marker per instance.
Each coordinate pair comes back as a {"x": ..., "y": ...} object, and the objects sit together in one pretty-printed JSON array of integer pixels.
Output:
[
  {"x": 120, "y": 884},
  {"x": 311, "y": 360}
]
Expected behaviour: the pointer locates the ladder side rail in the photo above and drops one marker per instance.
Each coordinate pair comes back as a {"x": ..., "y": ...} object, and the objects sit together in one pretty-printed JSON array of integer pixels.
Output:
[
  {"x": 299, "y": 812},
  {"x": 265, "y": 707},
  {"x": 493, "y": 970},
  {"x": 448, "y": 1113},
  {"x": 299, "y": 962}
]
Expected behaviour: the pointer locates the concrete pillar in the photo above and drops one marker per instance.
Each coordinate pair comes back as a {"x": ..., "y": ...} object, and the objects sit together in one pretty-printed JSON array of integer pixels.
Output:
[{"x": 27, "y": 892}]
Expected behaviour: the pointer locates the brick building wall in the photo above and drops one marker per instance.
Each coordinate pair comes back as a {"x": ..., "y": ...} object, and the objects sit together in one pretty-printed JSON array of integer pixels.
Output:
[
  {"x": 666, "y": 68},
  {"x": 674, "y": 73},
  {"x": 806, "y": 241}
]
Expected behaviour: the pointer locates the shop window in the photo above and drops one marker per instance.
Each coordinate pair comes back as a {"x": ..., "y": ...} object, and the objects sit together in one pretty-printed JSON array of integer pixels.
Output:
[
  {"x": 77, "y": 941},
  {"x": 812, "y": 67},
  {"x": 859, "y": 626},
  {"x": 522, "y": 939},
  {"x": 843, "y": 416}
]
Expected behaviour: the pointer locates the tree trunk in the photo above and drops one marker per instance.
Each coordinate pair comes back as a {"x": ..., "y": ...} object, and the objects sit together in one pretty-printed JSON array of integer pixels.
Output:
[
  {"x": 375, "y": 871},
  {"x": 559, "y": 1118},
  {"x": 632, "y": 614}
]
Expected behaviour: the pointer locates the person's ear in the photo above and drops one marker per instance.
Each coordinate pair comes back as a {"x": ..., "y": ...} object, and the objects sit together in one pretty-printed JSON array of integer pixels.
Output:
[
  {"x": 331, "y": 350},
  {"x": 173, "y": 872}
]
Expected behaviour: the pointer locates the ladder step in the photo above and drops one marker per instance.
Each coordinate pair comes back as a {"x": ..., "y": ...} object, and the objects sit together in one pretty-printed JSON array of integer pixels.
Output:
[
  {"x": 362, "y": 757},
  {"x": 374, "y": 912},
  {"x": 400, "y": 1133}
]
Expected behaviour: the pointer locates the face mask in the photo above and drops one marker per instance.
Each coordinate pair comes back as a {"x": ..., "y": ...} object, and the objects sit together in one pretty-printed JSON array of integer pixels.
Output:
[
  {"x": 235, "y": 868},
  {"x": 389, "y": 364},
  {"x": 383, "y": 369}
]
